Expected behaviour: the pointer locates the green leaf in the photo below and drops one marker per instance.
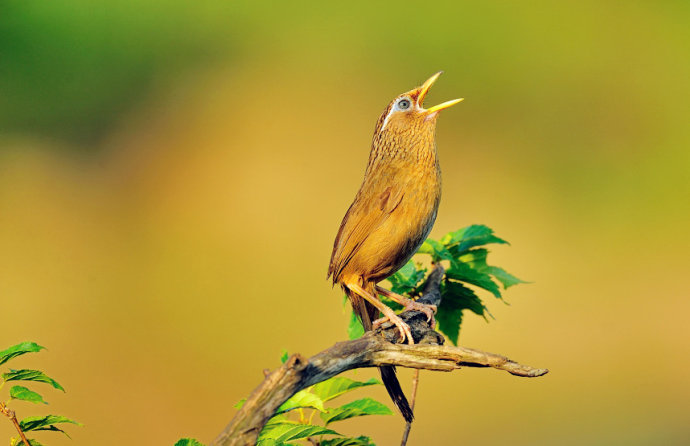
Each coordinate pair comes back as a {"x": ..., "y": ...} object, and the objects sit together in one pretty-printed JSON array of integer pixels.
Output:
[
  {"x": 240, "y": 403},
  {"x": 354, "y": 328},
  {"x": 357, "y": 408},
  {"x": 284, "y": 357},
  {"x": 19, "y": 349},
  {"x": 405, "y": 280},
  {"x": 436, "y": 249},
  {"x": 503, "y": 276},
  {"x": 456, "y": 298},
  {"x": 45, "y": 423},
  {"x": 24, "y": 394},
  {"x": 302, "y": 399},
  {"x": 188, "y": 442},
  {"x": 32, "y": 442},
  {"x": 426, "y": 248},
  {"x": 30, "y": 375},
  {"x": 449, "y": 319},
  {"x": 278, "y": 433},
  {"x": 465, "y": 273},
  {"x": 476, "y": 258},
  {"x": 469, "y": 237},
  {"x": 334, "y": 387},
  {"x": 358, "y": 441}
]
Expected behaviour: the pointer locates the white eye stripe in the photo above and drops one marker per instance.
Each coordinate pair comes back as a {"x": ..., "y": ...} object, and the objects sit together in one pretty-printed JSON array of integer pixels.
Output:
[{"x": 396, "y": 107}]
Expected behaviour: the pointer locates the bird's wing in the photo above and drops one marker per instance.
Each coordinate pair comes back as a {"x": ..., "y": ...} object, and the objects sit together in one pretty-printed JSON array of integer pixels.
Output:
[{"x": 371, "y": 208}]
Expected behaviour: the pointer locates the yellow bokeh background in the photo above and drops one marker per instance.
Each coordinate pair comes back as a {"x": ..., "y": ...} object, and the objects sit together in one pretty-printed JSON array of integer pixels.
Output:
[{"x": 172, "y": 176}]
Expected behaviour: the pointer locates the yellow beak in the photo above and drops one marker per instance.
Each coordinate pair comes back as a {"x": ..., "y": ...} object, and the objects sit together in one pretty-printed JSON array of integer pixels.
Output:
[
  {"x": 424, "y": 89},
  {"x": 444, "y": 105}
]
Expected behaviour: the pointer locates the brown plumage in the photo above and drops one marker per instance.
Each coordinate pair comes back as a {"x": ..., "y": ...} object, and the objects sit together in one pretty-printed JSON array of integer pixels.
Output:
[{"x": 391, "y": 216}]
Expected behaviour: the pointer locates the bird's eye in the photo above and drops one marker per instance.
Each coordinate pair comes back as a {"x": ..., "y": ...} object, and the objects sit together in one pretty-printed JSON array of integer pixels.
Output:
[{"x": 403, "y": 104}]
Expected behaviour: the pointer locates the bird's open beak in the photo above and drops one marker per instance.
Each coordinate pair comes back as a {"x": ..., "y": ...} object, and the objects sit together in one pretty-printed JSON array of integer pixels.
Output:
[{"x": 424, "y": 89}]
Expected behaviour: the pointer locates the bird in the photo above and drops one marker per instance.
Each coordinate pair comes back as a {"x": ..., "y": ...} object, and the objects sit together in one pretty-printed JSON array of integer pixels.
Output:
[{"x": 390, "y": 217}]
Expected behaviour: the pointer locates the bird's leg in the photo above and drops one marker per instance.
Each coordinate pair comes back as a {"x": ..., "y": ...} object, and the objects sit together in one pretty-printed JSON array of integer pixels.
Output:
[
  {"x": 410, "y": 304},
  {"x": 385, "y": 309}
]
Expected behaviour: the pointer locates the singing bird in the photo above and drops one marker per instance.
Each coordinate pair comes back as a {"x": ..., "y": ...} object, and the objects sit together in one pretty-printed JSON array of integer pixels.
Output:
[{"x": 391, "y": 217}]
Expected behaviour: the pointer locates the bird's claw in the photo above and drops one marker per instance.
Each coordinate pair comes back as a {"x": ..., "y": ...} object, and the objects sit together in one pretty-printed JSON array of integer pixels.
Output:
[
  {"x": 428, "y": 309},
  {"x": 405, "y": 332}
]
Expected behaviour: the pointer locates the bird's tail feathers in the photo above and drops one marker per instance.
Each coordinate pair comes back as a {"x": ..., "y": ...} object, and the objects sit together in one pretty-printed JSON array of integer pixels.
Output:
[{"x": 392, "y": 384}]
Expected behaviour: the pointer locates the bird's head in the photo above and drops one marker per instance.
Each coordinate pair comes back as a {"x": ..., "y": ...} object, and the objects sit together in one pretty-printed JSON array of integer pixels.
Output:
[{"x": 406, "y": 114}]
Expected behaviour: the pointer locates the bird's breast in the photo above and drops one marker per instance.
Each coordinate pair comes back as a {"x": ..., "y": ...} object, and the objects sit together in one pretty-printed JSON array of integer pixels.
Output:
[{"x": 396, "y": 240}]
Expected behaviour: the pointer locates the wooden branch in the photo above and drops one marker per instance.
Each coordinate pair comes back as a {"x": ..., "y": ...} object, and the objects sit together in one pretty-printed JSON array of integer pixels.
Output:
[
  {"x": 13, "y": 418},
  {"x": 376, "y": 348}
]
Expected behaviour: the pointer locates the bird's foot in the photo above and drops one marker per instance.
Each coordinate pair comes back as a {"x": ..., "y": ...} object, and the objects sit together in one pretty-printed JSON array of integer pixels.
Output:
[
  {"x": 405, "y": 332},
  {"x": 428, "y": 309},
  {"x": 409, "y": 304}
]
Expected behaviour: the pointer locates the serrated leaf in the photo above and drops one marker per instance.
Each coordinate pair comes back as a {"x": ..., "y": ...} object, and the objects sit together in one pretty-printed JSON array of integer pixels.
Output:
[
  {"x": 45, "y": 423},
  {"x": 24, "y": 394},
  {"x": 284, "y": 356},
  {"x": 503, "y": 276},
  {"x": 405, "y": 280},
  {"x": 465, "y": 273},
  {"x": 188, "y": 442},
  {"x": 456, "y": 298},
  {"x": 476, "y": 258},
  {"x": 30, "y": 375},
  {"x": 358, "y": 441},
  {"x": 469, "y": 237},
  {"x": 277, "y": 433},
  {"x": 357, "y": 408},
  {"x": 19, "y": 349},
  {"x": 334, "y": 387},
  {"x": 302, "y": 399},
  {"x": 355, "y": 330},
  {"x": 449, "y": 317},
  {"x": 454, "y": 237},
  {"x": 436, "y": 249}
]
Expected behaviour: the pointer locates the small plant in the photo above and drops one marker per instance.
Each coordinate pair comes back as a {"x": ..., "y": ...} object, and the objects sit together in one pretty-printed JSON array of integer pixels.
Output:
[
  {"x": 466, "y": 254},
  {"x": 296, "y": 418},
  {"x": 21, "y": 393}
]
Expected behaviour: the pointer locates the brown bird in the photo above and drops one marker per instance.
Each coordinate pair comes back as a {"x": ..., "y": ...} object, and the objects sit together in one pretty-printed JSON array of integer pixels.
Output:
[{"x": 391, "y": 217}]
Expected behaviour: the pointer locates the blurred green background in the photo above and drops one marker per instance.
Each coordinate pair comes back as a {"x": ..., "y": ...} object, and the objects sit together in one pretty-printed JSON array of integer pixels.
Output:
[{"x": 172, "y": 176}]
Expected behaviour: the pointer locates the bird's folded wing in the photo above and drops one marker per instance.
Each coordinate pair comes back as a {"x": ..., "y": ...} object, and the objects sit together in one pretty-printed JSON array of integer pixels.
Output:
[{"x": 370, "y": 210}]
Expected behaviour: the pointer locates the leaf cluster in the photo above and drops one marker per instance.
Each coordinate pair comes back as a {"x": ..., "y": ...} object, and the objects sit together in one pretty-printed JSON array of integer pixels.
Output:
[
  {"x": 296, "y": 419},
  {"x": 22, "y": 393},
  {"x": 291, "y": 422},
  {"x": 465, "y": 254}
]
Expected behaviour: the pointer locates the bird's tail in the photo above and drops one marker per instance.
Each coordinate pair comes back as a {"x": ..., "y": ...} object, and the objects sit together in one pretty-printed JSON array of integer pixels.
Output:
[{"x": 366, "y": 313}]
